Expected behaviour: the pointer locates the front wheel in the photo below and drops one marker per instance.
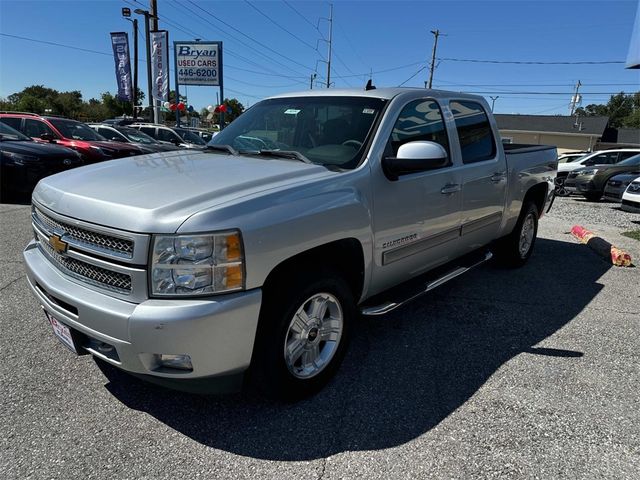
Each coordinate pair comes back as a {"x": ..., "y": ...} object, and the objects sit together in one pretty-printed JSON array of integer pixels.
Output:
[
  {"x": 515, "y": 249},
  {"x": 303, "y": 335}
]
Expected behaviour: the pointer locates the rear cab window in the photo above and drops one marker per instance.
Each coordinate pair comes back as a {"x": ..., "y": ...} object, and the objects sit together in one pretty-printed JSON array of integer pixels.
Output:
[
  {"x": 477, "y": 142},
  {"x": 13, "y": 122}
]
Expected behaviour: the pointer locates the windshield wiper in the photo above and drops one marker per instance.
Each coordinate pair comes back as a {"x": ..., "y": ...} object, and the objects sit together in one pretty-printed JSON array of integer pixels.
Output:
[
  {"x": 223, "y": 148},
  {"x": 284, "y": 154}
]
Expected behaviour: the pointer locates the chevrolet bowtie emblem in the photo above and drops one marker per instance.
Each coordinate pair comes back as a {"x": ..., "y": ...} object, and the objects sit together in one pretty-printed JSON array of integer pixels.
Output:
[{"x": 58, "y": 244}]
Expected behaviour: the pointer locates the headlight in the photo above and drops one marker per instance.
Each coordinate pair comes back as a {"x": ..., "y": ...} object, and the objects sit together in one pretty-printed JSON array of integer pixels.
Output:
[
  {"x": 190, "y": 265},
  {"x": 18, "y": 159},
  {"x": 591, "y": 171}
]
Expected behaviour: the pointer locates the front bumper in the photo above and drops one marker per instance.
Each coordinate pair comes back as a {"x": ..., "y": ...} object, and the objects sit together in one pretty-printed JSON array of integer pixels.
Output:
[
  {"x": 631, "y": 204},
  {"x": 575, "y": 185},
  {"x": 614, "y": 193},
  {"x": 217, "y": 333}
]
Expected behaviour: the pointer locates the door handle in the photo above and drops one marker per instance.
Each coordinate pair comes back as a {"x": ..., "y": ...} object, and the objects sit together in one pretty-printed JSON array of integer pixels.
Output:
[
  {"x": 450, "y": 188},
  {"x": 498, "y": 177}
]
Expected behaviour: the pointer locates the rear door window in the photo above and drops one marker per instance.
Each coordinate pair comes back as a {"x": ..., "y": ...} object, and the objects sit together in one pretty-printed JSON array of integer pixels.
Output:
[
  {"x": 474, "y": 131},
  {"x": 13, "y": 122},
  {"x": 151, "y": 131},
  {"x": 35, "y": 128}
]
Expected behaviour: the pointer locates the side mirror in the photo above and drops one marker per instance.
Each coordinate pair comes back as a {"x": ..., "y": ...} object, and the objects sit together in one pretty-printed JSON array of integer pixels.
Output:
[
  {"x": 48, "y": 137},
  {"x": 176, "y": 142},
  {"x": 414, "y": 157}
]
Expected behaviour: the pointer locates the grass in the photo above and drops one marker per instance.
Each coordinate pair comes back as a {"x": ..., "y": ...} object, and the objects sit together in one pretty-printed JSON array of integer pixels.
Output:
[{"x": 635, "y": 234}]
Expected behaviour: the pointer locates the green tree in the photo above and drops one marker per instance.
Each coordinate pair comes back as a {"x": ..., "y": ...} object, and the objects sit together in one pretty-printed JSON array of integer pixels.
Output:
[
  {"x": 234, "y": 109},
  {"x": 622, "y": 110}
]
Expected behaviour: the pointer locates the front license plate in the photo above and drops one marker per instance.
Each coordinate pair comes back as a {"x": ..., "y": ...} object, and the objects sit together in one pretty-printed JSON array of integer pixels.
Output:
[{"x": 62, "y": 332}]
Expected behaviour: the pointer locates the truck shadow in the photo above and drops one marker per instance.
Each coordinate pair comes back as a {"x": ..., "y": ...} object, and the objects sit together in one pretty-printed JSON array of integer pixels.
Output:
[{"x": 405, "y": 372}]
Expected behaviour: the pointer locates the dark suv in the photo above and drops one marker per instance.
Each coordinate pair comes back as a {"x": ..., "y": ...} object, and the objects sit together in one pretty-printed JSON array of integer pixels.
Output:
[
  {"x": 68, "y": 133},
  {"x": 23, "y": 162}
]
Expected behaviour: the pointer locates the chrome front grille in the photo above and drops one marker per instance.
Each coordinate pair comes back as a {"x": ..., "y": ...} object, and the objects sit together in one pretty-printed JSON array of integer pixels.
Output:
[
  {"x": 101, "y": 277},
  {"x": 102, "y": 243}
]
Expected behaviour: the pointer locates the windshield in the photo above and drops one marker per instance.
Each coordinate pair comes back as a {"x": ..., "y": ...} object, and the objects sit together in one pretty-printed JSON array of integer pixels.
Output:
[
  {"x": 75, "y": 130},
  {"x": 575, "y": 159},
  {"x": 326, "y": 130},
  {"x": 631, "y": 161},
  {"x": 9, "y": 133},
  {"x": 189, "y": 136},
  {"x": 136, "y": 136}
]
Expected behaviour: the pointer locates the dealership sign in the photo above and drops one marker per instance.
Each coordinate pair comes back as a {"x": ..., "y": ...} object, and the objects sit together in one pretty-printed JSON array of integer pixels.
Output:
[
  {"x": 198, "y": 63},
  {"x": 160, "y": 65},
  {"x": 120, "y": 43}
]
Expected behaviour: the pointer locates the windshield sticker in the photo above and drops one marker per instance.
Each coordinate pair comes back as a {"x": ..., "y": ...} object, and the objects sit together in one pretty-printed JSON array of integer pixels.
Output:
[
  {"x": 369, "y": 111},
  {"x": 291, "y": 111}
]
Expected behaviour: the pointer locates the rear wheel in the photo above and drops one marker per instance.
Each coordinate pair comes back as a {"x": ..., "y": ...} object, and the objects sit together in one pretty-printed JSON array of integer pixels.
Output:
[
  {"x": 303, "y": 334},
  {"x": 515, "y": 249}
]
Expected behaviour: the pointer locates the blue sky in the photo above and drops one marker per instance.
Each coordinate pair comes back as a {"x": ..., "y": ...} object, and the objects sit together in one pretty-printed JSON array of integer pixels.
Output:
[{"x": 390, "y": 38}]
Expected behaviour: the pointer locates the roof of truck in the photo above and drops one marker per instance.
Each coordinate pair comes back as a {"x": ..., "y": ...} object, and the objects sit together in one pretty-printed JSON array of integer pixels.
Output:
[{"x": 384, "y": 93}]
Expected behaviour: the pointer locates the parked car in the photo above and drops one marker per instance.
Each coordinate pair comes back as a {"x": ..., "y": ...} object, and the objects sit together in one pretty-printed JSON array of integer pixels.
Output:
[
  {"x": 617, "y": 185},
  {"x": 23, "y": 162},
  {"x": 571, "y": 157},
  {"x": 205, "y": 135},
  {"x": 631, "y": 197},
  {"x": 68, "y": 133},
  {"x": 590, "y": 181},
  {"x": 257, "y": 254},
  {"x": 175, "y": 136},
  {"x": 602, "y": 157},
  {"x": 141, "y": 140}
]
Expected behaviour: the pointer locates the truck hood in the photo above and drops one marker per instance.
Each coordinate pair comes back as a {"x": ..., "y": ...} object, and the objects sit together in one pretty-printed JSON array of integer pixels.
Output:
[{"x": 157, "y": 193}]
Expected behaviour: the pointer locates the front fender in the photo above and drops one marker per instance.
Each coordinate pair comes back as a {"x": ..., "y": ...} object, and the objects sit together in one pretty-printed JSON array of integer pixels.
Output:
[{"x": 278, "y": 225}]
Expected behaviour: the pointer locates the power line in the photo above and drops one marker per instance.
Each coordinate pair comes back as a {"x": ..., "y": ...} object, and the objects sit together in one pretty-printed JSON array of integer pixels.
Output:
[
  {"x": 280, "y": 26},
  {"x": 510, "y": 62},
  {"x": 421, "y": 69},
  {"x": 302, "y": 16},
  {"x": 71, "y": 47},
  {"x": 262, "y": 44},
  {"x": 231, "y": 52}
]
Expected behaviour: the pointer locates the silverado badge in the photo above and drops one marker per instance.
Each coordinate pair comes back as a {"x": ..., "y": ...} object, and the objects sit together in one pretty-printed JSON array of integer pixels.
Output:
[{"x": 58, "y": 244}]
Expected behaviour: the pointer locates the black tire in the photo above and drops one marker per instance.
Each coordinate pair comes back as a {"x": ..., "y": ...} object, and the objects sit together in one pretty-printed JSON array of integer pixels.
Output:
[
  {"x": 593, "y": 196},
  {"x": 508, "y": 250},
  {"x": 270, "y": 372}
]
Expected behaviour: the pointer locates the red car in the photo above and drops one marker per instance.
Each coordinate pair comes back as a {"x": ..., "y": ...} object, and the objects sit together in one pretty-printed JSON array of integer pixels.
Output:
[{"x": 69, "y": 133}]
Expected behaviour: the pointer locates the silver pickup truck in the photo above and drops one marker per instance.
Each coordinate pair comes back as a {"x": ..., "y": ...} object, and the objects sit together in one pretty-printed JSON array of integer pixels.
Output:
[{"x": 201, "y": 270}]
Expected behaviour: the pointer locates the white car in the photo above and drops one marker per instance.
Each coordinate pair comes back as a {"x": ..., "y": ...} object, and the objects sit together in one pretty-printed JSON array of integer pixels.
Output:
[
  {"x": 571, "y": 157},
  {"x": 631, "y": 197},
  {"x": 602, "y": 157}
]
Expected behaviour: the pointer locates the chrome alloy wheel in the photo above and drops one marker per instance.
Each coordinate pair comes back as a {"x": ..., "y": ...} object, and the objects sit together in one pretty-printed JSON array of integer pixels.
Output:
[
  {"x": 313, "y": 335},
  {"x": 526, "y": 235}
]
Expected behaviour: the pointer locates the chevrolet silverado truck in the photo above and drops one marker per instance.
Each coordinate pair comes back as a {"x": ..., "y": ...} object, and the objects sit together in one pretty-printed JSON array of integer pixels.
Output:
[{"x": 248, "y": 263}]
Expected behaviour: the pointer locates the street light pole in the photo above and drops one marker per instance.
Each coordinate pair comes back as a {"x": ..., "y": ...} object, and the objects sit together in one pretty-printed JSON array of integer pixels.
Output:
[{"x": 493, "y": 101}]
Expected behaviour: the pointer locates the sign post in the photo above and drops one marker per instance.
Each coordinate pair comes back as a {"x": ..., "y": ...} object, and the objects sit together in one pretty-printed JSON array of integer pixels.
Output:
[{"x": 198, "y": 63}]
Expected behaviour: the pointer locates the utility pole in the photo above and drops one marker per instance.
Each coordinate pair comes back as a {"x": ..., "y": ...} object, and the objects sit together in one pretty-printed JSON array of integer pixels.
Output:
[
  {"x": 493, "y": 101},
  {"x": 436, "y": 34},
  {"x": 330, "y": 40},
  {"x": 575, "y": 100}
]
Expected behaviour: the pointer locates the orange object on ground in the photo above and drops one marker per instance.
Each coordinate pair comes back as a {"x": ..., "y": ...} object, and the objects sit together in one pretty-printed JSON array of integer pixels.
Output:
[{"x": 603, "y": 248}]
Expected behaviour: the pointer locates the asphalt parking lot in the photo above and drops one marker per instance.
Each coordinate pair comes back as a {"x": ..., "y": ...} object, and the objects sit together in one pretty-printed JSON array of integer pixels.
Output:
[{"x": 530, "y": 373}]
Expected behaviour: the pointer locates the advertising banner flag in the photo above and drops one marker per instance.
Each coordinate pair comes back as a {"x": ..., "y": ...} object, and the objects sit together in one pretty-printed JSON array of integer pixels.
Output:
[
  {"x": 120, "y": 43},
  {"x": 160, "y": 65}
]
